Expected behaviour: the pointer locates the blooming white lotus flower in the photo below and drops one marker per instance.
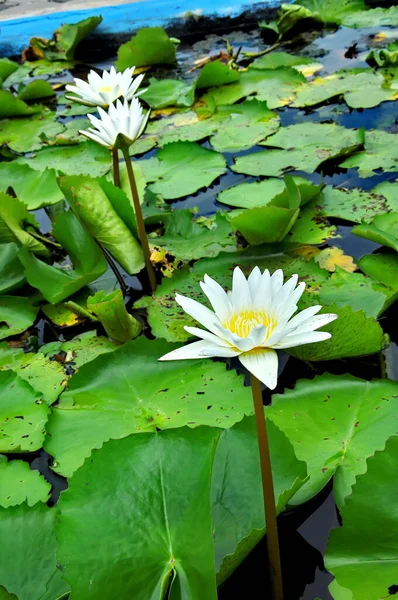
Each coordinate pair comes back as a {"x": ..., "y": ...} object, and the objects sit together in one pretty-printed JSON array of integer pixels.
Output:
[
  {"x": 104, "y": 90},
  {"x": 120, "y": 126},
  {"x": 251, "y": 322}
]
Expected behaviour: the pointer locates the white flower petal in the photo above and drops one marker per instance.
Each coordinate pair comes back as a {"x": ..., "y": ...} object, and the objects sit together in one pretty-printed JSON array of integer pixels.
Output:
[
  {"x": 276, "y": 281},
  {"x": 206, "y": 335},
  {"x": 217, "y": 297},
  {"x": 263, "y": 364},
  {"x": 315, "y": 323},
  {"x": 254, "y": 281},
  {"x": 302, "y": 317},
  {"x": 311, "y": 337},
  {"x": 263, "y": 297},
  {"x": 202, "y": 349},
  {"x": 241, "y": 299},
  {"x": 201, "y": 313}
]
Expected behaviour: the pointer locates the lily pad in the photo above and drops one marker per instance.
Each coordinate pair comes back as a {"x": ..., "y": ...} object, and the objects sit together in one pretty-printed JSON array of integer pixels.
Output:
[
  {"x": 35, "y": 90},
  {"x": 35, "y": 189},
  {"x": 389, "y": 189},
  {"x": 357, "y": 291},
  {"x": 168, "y": 92},
  {"x": 11, "y": 270},
  {"x": 382, "y": 230},
  {"x": 19, "y": 483},
  {"x": 344, "y": 342},
  {"x": 12, "y": 106},
  {"x": 116, "y": 395},
  {"x": 166, "y": 317},
  {"x": 352, "y": 205},
  {"x": 266, "y": 224},
  {"x": 216, "y": 73},
  {"x": 331, "y": 11},
  {"x": 86, "y": 158},
  {"x": 81, "y": 349},
  {"x": 56, "y": 283},
  {"x": 382, "y": 267},
  {"x": 111, "y": 311},
  {"x": 149, "y": 46},
  {"x": 23, "y": 415},
  {"x": 182, "y": 168},
  {"x": 7, "y": 67},
  {"x": 335, "y": 422},
  {"x": 381, "y": 152},
  {"x": 310, "y": 228},
  {"x": 16, "y": 314},
  {"x": 17, "y": 225},
  {"x": 375, "y": 17},
  {"x": 284, "y": 59},
  {"x": 351, "y": 555},
  {"x": 45, "y": 376},
  {"x": 27, "y": 135}
]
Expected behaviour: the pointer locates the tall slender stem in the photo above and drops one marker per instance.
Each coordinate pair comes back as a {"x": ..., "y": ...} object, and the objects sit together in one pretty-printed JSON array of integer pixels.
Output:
[
  {"x": 140, "y": 220},
  {"x": 268, "y": 492},
  {"x": 116, "y": 168},
  {"x": 114, "y": 269}
]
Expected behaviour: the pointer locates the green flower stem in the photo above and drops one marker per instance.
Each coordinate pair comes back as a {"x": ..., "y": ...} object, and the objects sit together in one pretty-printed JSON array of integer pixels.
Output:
[
  {"x": 140, "y": 221},
  {"x": 268, "y": 492},
  {"x": 114, "y": 269},
  {"x": 116, "y": 168}
]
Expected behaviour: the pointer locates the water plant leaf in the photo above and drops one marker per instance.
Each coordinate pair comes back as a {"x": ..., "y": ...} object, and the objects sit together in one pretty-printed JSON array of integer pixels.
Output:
[
  {"x": 110, "y": 310},
  {"x": 16, "y": 314},
  {"x": 283, "y": 59},
  {"x": 266, "y": 224},
  {"x": 389, "y": 189},
  {"x": 382, "y": 230},
  {"x": 188, "y": 238},
  {"x": 167, "y": 319},
  {"x": 243, "y": 125},
  {"x": 169, "y": 471},
  {"x": 35, "y": 90},
  {"x": 64, "y": 42},
  {"x": 11, "y": 106},
  {"x": 335, "y": 422},
  {"x": 382, "y": 267},
  {"x": 344, "y": 341},
  {"x": 330, "y": 11},
  {"x": 34, "y": 188},
  {"x": 116, "y": 395},
  {"x": 149, "y": 46},
  {"x": 354, "y": 205},
  {"x": 375, "y": 17},
  {"x": 236, "y": 529},
  {"x": 349, "y": 85},
  {"x": 23, "y": 415},
  {"x": 310, "y": 228},
  {"x": 7, "y": 67},
  {"x": 330, "y": 258},
  {"x": 357, "y": 291},
  {"x": 381, "y": 152},
  {"x": 81, "y": 349},
  {"x": 27, "y": 554},
  {"x": 56, "y": 283},
  {"x": 27, "y": 135},
  {"x": 92, "y": 206},
  {"x": 168, "y": 92},
  {"x": 45, "y": 376},
  {"x": 182, "y": 168},
  {"x": 15, "y": 222},
  {"x": 260, "y": 193},
  {"x": 351, "y": 555},
  {"x": 216, "y": 73},
  {"x": 86, "y": 158},
  {"x": 328, "y": 136},
  {"x": 11, "y": 269},
  {"x": 19, "y": 483}
]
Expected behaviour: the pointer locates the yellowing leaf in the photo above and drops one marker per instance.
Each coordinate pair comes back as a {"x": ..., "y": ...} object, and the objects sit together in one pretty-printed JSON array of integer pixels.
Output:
[{"x": 329, "y": 258}]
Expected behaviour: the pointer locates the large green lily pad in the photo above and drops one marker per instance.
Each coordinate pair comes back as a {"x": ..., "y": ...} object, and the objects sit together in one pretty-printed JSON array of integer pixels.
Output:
[
  {"x": 19, "y": 483},
  {"x": 381, "y": 267},
  {"x": 352, "y": 205},
  {"x": 143, "y": 550},
  {"x": 116, "y": 395},
  {"x": 382, "y": 230},
  {"x": 34, "y": 188},
  {"x": 168, "y": 92},
  {"x": 181, "y": 169},
  {"x": 335, "y": 422},
  {"x": 260, "y": 193},
  {"x": 363, "y": 567},
  {"x": 17, "y": 313},
  {"x": 381, "y": 152},
  {"x": 26, "y": 134},
  {"x": 23, "y": 415}
]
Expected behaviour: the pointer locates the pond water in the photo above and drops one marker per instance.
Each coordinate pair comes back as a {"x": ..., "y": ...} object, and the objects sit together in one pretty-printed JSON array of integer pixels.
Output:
[{"x": 305, "y": 530}]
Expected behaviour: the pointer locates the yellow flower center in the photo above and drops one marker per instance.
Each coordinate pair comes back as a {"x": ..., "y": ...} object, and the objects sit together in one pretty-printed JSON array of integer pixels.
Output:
[
  {"x": 241, "y": 324},
  {"x": 106, "y": 89}
]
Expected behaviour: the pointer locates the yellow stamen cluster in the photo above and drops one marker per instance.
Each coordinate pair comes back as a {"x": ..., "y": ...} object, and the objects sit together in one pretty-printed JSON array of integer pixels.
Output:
[{"x": 241, "y": 324}]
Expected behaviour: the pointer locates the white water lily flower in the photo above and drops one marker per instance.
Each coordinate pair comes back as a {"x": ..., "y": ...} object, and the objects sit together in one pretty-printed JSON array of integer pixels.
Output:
[
  {"x": 120, "y": 126},
  {"x": 104, "y": 90},
  {"x": 251, "y": 322}
]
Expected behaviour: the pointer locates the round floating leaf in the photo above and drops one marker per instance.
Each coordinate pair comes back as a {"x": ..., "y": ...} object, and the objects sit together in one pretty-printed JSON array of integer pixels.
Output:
[
  {"x": 16, "y": 314},
  {"x": 389, "y": 189},
  {"x": 168, "y": 92},
  {"x": 382, "y": 267},
  {"x": 236, "y": 529},
  {"x": 353, "y": 205},
  {"x": 11, "y": 106},
  {"x": 274, "y": 163},
  {"x": 266, "y": 224},
  {"x": 310, "y": 228},
  {"x": 181, "y": 169},
  {"x": 26, "y": 135},
  {"x": 27, "y": 551},
  {"x": 7, "y": 67},
  {"x": 345, "y": 341},
  {"x": 382, "y": 230},
  {"x": 149, "y": 46},
  {"x": 381, "y": 152},
  {"x": 357, "y": 291},
  {"x": 158, "y": 532},
  {"x": 35, "y": 189},
  {"x": 18, "y": 484},
  {"x": 283, "y": 59},
  {"x": 11, "y": 270},
  {"x": 333, "y": 258},
  {"x": 117, "y": 394},
  {"x": 335, "y": 422},
  {"x": 35, "y": 90},
  {"x": 14, "y": 220},
  {"x": 166, "y": 317},
  {"x": 81, "y": 349},
  {"x": 22, "y": 415},
  {"x": 86, "y": 158},
  {"x": 216, "y": 73},
  {"x": 363, "y": 553},
  {"x": 331, "y": 11},
  {"x": 323, "y": 136},
  {"x": 375, "y": 17}
]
